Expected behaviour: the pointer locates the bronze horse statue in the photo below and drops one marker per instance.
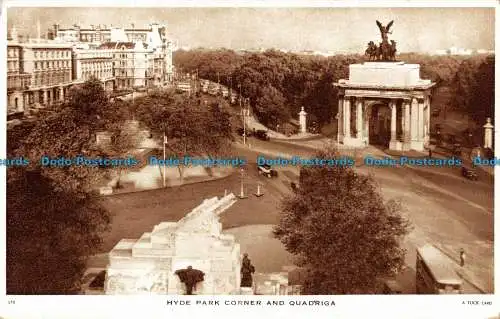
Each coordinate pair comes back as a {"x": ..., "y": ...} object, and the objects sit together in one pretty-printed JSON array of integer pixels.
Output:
[
  {"x": 385, "y": 51},
  {"x": 372, "y": 51},
  {"x": 392, "y": 55}
]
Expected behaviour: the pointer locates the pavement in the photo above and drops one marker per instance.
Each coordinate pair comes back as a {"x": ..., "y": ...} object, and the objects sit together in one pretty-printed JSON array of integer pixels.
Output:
[{"x": 445, "y": 209}]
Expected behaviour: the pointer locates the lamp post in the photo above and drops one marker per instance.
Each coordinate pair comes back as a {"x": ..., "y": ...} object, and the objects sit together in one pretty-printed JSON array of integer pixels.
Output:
[
  {"x": 242, "y": 190},
  {"x": 165, "y": 141},
  {"x": 243, "y": 116}
]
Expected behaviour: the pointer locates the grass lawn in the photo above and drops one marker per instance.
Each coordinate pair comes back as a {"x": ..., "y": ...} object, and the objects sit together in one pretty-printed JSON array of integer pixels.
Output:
[
  {"x": 266, "y": 252},
  {"x": 136, "y": 213}
]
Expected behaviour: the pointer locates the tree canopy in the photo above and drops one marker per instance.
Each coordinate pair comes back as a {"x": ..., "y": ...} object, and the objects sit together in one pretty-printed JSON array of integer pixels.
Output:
[
  {"x": 278, "y": 84},
  {"x": 341, "y": 231},
  {"x": 53, "y": 223},
  {"x": 49, "y": 235}
]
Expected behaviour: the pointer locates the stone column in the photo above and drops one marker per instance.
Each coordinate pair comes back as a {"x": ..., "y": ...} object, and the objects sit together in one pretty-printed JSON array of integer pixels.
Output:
[
  {"x": 340, "y": 119},
  {"x": 427, "y": 101},
  {"x": 414, "y": 119},
  {"x": 366, "y": 129},
  {"x": 406, "y": 125},
  {"x": 392, "y": 106},
  {"x": 36, "y": 97},
  {"x": 45, "y": 97},
  {"x": 488, "y": 134},
  {"x": 421, "y": 122},
  {"x": 359, "y": 117},
  {"x": 347, "y": 117},
  {"x": 61, "y": 94}
]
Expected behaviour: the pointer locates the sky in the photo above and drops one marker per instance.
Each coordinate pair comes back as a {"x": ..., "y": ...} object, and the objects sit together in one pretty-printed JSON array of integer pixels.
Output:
[{"x": 318, "y": 29}]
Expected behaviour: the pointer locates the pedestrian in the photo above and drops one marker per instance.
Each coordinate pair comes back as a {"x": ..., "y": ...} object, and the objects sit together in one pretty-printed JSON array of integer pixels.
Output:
[{"x": 462, "y": 257}]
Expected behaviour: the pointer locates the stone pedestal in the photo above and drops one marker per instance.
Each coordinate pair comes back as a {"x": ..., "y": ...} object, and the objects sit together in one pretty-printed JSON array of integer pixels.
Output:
[
  {"x": 303, "y": 121},
  {"x": 488, "y": 134},
  {"x": 148, "y": 264},
  {"x": 386, "y": 74}
]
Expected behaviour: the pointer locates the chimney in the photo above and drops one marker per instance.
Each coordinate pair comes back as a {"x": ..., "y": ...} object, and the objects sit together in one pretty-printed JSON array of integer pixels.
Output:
[{"x": 13, "y": 34}]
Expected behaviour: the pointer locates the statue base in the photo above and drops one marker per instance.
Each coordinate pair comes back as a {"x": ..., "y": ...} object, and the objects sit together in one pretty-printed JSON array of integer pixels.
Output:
[{"x": 385, "y": 73}]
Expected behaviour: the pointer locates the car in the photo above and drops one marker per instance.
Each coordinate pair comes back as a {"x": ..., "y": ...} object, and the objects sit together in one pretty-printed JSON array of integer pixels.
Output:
[
  {"x": 261, "y": 135},
  {"x": 469, "y": 172},
  {"x": 240, "y": 132},
  {"x": 267, "y": 171}
]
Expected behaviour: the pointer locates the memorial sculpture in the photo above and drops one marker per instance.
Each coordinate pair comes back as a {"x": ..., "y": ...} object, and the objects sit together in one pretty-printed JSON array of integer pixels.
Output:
[
  {"x": 184, "y": 257},
  {"x": 247, "y": 269},
  {"x": 190, "y": 277},
  {"x": 386, "y": 51}
]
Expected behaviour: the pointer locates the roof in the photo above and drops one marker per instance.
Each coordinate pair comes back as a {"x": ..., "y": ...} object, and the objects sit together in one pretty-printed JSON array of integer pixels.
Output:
[
  {"x": 117, "y": 45},
  {"x": 439, "y": 265},
  {"x": 138, "y": 30}
]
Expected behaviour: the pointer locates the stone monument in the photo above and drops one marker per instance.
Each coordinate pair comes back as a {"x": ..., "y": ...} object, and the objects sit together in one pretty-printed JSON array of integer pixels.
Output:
[
  {"x": 384, "y": 102},
  {"x": 303, "y": 120},
  {"x": 152, "y": 263},
  {"x": 488, "y": 134}
]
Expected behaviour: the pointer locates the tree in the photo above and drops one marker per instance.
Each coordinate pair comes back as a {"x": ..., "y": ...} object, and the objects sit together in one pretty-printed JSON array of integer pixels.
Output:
[
  {"x": 270, "y": 106},
  {"x": 483, "y": 96},
  {"x": 53, "y": 223},
  {"x": 88, "y": 100},
  {"x": 192, "y": 129},
  {"x": 341, "y": 231},
  {"x": 50, "y": 233},
  {"x": 69, "y": 133}
]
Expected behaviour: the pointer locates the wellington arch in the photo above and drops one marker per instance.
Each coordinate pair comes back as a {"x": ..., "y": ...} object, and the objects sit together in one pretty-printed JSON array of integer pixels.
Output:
[{"x": 385, "y": 103}]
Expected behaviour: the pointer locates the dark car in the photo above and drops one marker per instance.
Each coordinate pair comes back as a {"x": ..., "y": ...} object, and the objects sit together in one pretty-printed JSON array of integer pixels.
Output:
[
  {"x": 240, "y": 132},
  {"x": 469, "y": 172},
  {"x": 266, "y": 170},
  {"x": 261, "y": 135}
]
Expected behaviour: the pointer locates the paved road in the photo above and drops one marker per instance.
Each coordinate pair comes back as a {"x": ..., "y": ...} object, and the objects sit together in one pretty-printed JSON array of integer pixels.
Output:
[{"x": 444, "y": 208}]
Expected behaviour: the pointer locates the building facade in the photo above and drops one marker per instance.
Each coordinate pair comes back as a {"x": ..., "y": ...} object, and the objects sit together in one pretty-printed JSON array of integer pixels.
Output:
[
  {"x": 94, "y": 63},
  {"x": 41, "y": 72},
  {"x": 38, "y": 73}
]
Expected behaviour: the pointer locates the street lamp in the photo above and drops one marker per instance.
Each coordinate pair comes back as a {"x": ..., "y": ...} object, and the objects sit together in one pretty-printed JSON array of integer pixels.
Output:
[{"x": 243, "y": 116}]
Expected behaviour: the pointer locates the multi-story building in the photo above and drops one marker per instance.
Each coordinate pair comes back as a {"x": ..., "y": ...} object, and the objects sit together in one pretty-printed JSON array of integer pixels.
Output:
[
  {"x": 136, "y": 51},
  {"x": 38, "y": 73},
  {"x": 41, "y": 72},
  {"x": 18, "y": 81},
  {"x": 93, "y": 63},
  {"x": 132, "y": 64},
  {"x": 100, "y": 33}
]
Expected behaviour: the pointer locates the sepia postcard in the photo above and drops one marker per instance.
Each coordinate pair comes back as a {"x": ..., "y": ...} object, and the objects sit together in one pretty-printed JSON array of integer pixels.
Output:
[{"x": 269, "y": 158}]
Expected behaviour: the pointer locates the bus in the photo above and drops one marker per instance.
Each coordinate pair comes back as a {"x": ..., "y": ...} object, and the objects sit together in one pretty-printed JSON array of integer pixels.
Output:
[{"x": 435, "y": 274}]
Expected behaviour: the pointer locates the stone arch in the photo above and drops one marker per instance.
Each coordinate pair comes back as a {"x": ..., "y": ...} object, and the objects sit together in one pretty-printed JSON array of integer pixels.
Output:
[{"x": 378, "y": 122}]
